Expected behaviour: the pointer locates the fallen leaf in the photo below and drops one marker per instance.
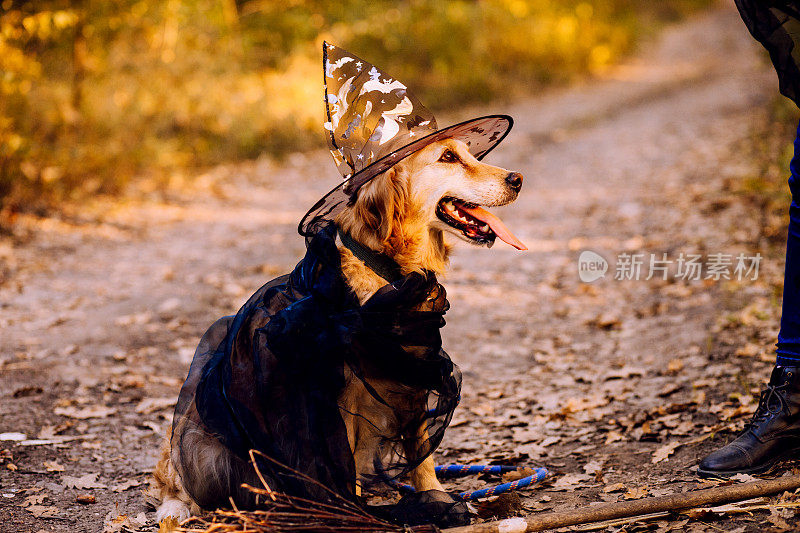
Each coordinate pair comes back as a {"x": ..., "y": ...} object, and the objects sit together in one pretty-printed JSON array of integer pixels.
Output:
[
  {"x": 121, "y": 487},
  {"x": 495, "y": 394},
  {"x": 684, "y": 428},
  {"x": 670, "y": 421},
  {"x": 484, "y": 409},
  {"x": 699, "y": 397},
  {"x": 670, "y": 389},
  {"x": 575, "y": 405},
  {"x": 155, "y": 428},
  {"x": 151, "y": 405},
  {"x": 53, "y": 466},
  {"x": 570, "y": 481},
  {"x": 168, "y": 525},
  {"x": 34, "y": 499},
  {"x": 115, "y": 523},
  {"x": 675, "y": 366},
  {"x": 614, "y": 487},
  {"x": 532, "y": 450},
  {"x": 665, "y": 451},
  {"x": 89, "y": 481},
  {"x": 613, "y": 436},
  {"x": 517, "y": 474},
  {"x": 743, "y": 478},
  {"x": 778, "y": 521},
  {"x": 43, "y": 511},
  {"x": 98, "y": 411},
  {"x": 593, "y": 467},
  {"x": 636, "y": 493},
  {"x": 524, "y": 435},
  {"x": 549, "y": 441},
  {"x": 51, "y": 431}
]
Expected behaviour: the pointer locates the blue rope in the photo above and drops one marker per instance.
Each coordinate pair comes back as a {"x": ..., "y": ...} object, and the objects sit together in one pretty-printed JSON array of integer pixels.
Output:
[{"x": 465, "y": 470}]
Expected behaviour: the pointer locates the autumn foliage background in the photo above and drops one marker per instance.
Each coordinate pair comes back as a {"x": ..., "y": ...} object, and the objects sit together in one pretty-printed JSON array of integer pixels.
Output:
[{"x": 96, "y": 95}]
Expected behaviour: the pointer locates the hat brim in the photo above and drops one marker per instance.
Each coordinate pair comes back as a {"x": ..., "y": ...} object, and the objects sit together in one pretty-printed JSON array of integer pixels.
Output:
[{"x": 481, "y": 135}]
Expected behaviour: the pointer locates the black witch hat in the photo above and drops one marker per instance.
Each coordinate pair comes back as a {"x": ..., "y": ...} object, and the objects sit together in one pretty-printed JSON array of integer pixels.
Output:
[{"x": 373, "y": 122}]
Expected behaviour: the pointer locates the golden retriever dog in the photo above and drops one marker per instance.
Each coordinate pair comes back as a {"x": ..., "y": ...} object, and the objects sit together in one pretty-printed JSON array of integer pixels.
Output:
[{"x": 403, "y": 213}]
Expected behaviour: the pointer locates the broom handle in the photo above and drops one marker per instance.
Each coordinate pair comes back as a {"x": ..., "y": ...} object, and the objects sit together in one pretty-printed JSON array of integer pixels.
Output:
[{"x": 658, "y": 504}]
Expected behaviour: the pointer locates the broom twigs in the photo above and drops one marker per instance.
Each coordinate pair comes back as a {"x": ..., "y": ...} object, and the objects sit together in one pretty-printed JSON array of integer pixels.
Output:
[
  {"x": 336, "y": 497},
  {"x": 644, "y": 506},
  {"x": 320, "y": 508},
  {"x": 282, "y": 513},
  {"x": 260, "y": 521},
  {"x": 267, "y": 489}
]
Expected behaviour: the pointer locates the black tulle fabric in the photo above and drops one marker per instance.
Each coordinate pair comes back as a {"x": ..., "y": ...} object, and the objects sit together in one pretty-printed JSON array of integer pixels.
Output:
[
  {"x": 776, "y": 25},
  {"x": 270, "y": 379}
]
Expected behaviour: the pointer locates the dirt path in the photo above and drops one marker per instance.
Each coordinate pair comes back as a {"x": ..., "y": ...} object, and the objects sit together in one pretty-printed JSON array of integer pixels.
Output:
[{"x": 99, "y": 319}]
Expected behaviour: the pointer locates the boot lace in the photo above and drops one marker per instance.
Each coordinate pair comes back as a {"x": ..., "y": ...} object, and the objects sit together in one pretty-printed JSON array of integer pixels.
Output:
[{"x": 771, "y": 403}]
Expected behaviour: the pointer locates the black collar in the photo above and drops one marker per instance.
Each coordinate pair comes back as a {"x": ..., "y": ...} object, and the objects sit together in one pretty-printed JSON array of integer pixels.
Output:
[{"x": 381, "y": 264}]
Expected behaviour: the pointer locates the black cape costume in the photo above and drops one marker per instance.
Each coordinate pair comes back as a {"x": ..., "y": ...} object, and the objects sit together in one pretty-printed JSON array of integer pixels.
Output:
[{"x": 269, "y": 379}]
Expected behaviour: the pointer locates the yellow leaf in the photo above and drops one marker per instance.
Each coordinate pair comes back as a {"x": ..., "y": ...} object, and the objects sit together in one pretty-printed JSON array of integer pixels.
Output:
[{"x": 168, "y": 525}]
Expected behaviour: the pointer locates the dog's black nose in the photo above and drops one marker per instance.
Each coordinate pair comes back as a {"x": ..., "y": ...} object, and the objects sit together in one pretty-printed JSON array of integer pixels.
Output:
[{"x": 514, "y": 180}]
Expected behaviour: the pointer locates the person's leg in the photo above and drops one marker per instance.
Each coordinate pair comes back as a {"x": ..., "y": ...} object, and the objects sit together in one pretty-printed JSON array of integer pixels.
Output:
[
  {"x": 773, "y": 434},
  {"x": 789, "y": 336}
]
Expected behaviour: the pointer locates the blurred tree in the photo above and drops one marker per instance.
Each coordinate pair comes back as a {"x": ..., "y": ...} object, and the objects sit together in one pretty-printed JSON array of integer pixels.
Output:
[
  {"x": 30, "y": 33},
  {"x": 93, "y": 92}
]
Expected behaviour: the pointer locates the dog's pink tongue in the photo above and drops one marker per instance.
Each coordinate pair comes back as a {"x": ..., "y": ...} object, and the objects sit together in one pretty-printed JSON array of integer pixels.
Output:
[{"x": 497, "y": 225}]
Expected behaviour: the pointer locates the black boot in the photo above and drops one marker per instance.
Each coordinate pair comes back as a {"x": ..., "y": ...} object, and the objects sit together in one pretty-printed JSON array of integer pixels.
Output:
[{"x": 772, "y": 435}]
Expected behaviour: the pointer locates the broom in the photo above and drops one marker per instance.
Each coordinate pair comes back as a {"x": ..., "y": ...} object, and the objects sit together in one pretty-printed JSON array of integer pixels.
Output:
[{"x": 280, "y": 513}]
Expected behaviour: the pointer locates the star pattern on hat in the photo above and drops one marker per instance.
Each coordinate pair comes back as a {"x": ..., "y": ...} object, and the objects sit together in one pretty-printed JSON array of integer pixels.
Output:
[{"x": 370, "y": 114}]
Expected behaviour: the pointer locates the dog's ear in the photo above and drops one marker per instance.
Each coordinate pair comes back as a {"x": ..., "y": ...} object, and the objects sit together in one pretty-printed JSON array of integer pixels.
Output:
[{"x": 380, "y": 207}]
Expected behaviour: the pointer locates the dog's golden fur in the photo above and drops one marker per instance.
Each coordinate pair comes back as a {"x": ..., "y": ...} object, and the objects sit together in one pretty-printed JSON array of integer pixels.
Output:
[{"x": 395, "y": 214}]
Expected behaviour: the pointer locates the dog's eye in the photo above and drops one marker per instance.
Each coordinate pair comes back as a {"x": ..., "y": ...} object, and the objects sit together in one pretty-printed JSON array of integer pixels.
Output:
[{"x": 448, "y": 157}]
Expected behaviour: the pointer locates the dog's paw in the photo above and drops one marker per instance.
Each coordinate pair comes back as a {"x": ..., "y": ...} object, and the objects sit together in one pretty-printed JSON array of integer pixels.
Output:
[{"x": 172, "y": 508}]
